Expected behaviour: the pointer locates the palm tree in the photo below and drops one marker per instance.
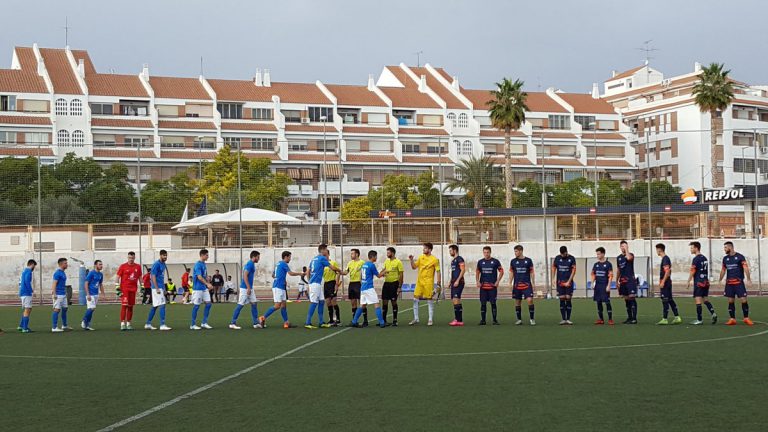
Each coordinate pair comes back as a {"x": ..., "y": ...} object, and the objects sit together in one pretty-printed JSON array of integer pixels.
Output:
[
  {"x": 475, "y": 176},
  {"x": 507, "y": 110},
  {"x": 713, "y": 94}
]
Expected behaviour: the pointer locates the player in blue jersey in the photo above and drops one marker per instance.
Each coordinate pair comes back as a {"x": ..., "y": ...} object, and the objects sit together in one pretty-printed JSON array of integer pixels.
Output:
[
  {"x": 59, "y": 294},
  {"x": 247, "y": 293},
  {"x": 736, "y": 271},
  {"x": 488, "y": 275},
  {"x": 315, "y": 274},
  {"x": 367, "y": 293},
  {"x": 458, "y": 268},
  {"x": 523, "y": 279},
  {"x": 25, "y": 295},
  {"x": 665, "y": 287},
  {"x": 200, "y": 292},
  {"x": 563, "y": 272},
  {"x": 602, "y": 273},
  {"x": 157, "y": 285},
  {"x": 699, "y": 276},
  {"x": 279, "y": 290},
  {"x": 626, "y": 283},
  {"x": 93, "y": 287}
]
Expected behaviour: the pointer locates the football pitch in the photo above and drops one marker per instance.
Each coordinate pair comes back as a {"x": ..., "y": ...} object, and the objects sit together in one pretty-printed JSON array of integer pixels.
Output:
[{"x": 523, "y": 378}]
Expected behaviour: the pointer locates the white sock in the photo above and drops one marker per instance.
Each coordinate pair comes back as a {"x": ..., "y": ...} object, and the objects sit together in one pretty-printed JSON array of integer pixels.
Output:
[
  {"x": 431, "y": 307},
  {"x": 416, "y": 309}
]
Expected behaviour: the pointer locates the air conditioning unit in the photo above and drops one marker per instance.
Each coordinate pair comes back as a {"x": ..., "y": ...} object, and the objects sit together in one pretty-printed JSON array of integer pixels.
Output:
[
  {"x": 305, "y": 120},
  {"x": 764, "y": 150},
  {"x": 285, "y": 233},
  {"x": 666, "y": 82}
]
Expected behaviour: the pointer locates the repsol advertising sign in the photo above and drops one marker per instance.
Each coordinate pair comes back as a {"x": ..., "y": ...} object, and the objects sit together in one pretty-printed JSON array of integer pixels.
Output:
[{"x": 715, "y": 195}]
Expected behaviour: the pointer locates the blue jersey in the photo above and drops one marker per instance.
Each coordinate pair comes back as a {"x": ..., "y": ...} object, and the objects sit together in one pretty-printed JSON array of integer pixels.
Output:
[
  {"x": 158, "y": 270},
  {"x": 666, "y": 265},
  {"x": 626, "y": 265},
  {"x": 94, "y": 279},
  {"x": 201, "y": 270},
  {"x": 700, "y": 267},
  {"x": 367, "y": 273},
  {"x": 489, "y": 271},
  {"x": 565, "y": 266},
  {"x": 521, "y": 269},
  {"x": 734, "y": 268},
  {"x": 250, "y": 267},
  {"x": 25, "y": 283},
  {"x": 281, "y": 273},
  {"x": 456, "y": 269},
  {"x": 61, "y": 282},
  {"x": 602, "y": 272},
  {"x": 316, "y": 268}
]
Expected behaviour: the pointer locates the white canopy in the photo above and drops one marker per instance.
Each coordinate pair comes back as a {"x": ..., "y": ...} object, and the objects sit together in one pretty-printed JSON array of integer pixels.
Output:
[{"x": 250, "y": 216}]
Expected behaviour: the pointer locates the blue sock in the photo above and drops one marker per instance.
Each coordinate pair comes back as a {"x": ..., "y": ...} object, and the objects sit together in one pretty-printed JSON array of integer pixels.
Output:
[
  {"x": 236, "y": 313},
  {"x": 195, "y": 308},
  {"x": 162, "y": 314},
  {"x": 254, "y": 313},
  {"x": 21, "y": 322},
  {"x": 380, "y": 316},
  {"x": 151, "y": 315},
  {"x": 358, "y": 312},
  {"x": 64, "y": 316},
  {"x": 284, "y": 314},
  {"x": 55, "y": 319},
  {"x": 270, "y": 311},
  {"x": 90, "y": 313},
  {"x": 206, "y": 313},
  {"x": 25, "y": 322},
  {"x": 311, "y": 312},
  {"x": 320, "y": 311}
]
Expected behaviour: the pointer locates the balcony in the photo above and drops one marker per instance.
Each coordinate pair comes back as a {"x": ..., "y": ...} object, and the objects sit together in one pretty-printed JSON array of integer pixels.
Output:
[
  {"x": 334, "y": 187},
  {"x": 300, "y": 190}
]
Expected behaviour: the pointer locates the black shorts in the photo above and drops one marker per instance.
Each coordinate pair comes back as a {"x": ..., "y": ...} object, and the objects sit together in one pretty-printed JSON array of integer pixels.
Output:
[
  {"x": 628, "y": 290},
  {"x": 329, "y": 289},
  {"x": 354, "y": 291},
  {"x": 564, "y": 290},
  {"x": 456, "y": 291},
  {"x": 389, "y": 291},
  {"x": 488, "y": 295},
  {"x": 665, "y": 293},
  {"x": 701, "y": 289}
]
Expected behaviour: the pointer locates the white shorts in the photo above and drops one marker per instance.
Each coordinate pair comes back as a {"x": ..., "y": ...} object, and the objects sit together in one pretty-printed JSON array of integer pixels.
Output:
[
  {"x": 91, "y": 304},
  {"x": 26, "y": 302},
  {"x": 369, "y": 297},
  {"x": 279, "y": 295},
  {"x": 316, "y": 293},
  {"x": 243, "y": 297},
  {"x": 199, "y": 297},
  {"x": 302, "y": 287},
  {"x": 60, "y": 302},
  {"x": 158, "y": 299}
]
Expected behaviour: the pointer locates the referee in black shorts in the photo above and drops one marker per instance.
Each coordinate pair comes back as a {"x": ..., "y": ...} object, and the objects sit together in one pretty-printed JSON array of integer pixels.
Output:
[{"x": 393, "y": 283}]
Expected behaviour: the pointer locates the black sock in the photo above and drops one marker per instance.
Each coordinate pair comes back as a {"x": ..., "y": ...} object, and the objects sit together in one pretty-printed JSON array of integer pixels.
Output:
[
  {"x": 698, "y": 312},
  {"x": 394, "y": 312},
  {"x": 519, "y": 312},
  {"x": 493, "y": 310},
  {"x": 673, "y": 305},
  {"x": 600, "y": 310},
  {"x": 531, "y": 312},
  {"x": 354, "y": 309},
  {"x": 609, "y": 308},
  {"x": 634, "y": 309},
  {"x": 568, "y": 309},
  {"x": 562, "y": 309},
  {"x": 338, "y": 312},
  {"x": 665, "y": 308},
  {"x": 456, "y": 308},
  {"x": 710, "y": 308},
  {"x": 483, "y": 309},
  {"x": 628, "y": 304},
  {"x": 732, "y": 310},
  {"x": 745, "y": 309},
  {"x": 365, "y": 314},
  {"x": 384, "y": 310},
  {"x": 461, "y": 313},
  {"x": 330, "y": 313}
]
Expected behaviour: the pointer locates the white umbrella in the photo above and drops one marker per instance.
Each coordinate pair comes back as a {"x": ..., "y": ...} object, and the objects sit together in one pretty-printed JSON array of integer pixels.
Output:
[
  {"x": 250, "y": 216},
  {"x": 195, "y": 222}
]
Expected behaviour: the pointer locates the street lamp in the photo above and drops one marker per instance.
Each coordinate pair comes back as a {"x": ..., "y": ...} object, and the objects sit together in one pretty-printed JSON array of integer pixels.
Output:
[
  {"x": 593, "y": 125},
  {"x": 544, "y": 210},
  {"x": 324, "y": 119},
  {"x": 200, "y": 158}
]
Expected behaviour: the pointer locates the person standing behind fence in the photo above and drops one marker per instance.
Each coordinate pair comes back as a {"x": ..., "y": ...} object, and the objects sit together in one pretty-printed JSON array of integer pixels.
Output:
[
  {"x": 201, "y": 292},
  {"x": 563, "y": 272},
  {"x": 393, "y": 285},
  {"x": 157, "y": 276},
  {"x": 26, "y": 294},
  {"x": 128, "y": 275},
  {"x": 626, "y": 283},
  {"x": 736, "y": 268},
  {"x": 93, "y": 287},
  {"x": 602, "y": 273},
  {"x": 59, "y": 294},
  {"x": 488, "y": 275},
  {"x": 665, "y": 287},
  {"x": 699, "y": 275},
  {"x": 523, "y": 278}
]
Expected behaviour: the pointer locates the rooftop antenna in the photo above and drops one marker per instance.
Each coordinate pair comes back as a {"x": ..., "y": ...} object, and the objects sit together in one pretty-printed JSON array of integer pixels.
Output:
[
  {"x": 201, "y": 65},
  {"x": 538, "y": 82},
  {"x": 418, "y": 58},
  {"x": 66, "y": 31},
  {"x": 647, "y": 49}
]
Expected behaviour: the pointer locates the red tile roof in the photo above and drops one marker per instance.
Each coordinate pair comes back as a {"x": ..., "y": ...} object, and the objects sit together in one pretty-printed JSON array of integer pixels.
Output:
[
  {"x": 187, "y": 154},
  {"x": 642, "y": 109},
  {"x": 122, "y": 153},
  {"x": 552, "y": 135},
  {"x": 590, "y": 136},
  {"x": 183, "y": 124},
  {"x": 260, "y": 154},
  {"x": 402, "y": 76},
  {"x": 352, "y": 95},
  {"x": 675, "y": 83},
  {"x": 613, "y": 163},
  {"x": 25, "y": 151},
  {"x": 115, "y": 85},
  {"x": 560, "y": 162},
  {"x": 27, "y": 59},
  {"x": 25, "y": 120},
  {"x": 20, "y": 81},
  {"x": 499, "y": 159},
  {"x": 749, "y": 102},
  {"x": 625, "y": 74},
  {"x": 536, "y": 101},
  {"x": 86, "y": 58},
  {"x": 367, "y": 130},
  {"x": 247, "y": 91},
  {"x": 60, "y": 71},
  {"x": 120, "y": 123},
  {"x": 372, "y": 158},
  {"x": 500, "y": 133},
  {"x": 250, "y": 126},
  {"x": 444, "y": 93},
  {"x": 421, "y": 131},
  {"x": 313, "y": 128},
  {"x": 408, "y": 98},
  {"x": 586, "y": 104},
  {"x": 431, "y": 159},
  {"x": 178, "y": 88},
  {"x": 318, "y": 157}
]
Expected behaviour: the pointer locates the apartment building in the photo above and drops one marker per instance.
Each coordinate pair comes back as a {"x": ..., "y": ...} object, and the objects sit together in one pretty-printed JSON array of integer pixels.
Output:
[{"x": 333, "y": 140}]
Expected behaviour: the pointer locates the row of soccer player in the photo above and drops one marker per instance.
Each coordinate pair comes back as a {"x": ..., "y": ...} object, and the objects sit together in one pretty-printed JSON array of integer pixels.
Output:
[{"x": 325, "y": 278}]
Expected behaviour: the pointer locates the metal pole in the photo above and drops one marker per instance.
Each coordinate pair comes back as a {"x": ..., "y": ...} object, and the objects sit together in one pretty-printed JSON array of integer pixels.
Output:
[
  {"x": 650, "y": 219},
  {"x": 138, "y": 192},
  {"x": 594, "y": 157},
  {"x": 240, "y": 210},
  {"x": 325, "y": 177},
  {"x": 440, "y": 201},
  {"x": 756, "y": 218},
  {"x": 40, "y": 222},
  {"x": 199, "y": 160},
  {"x": 544, "y": 213}
]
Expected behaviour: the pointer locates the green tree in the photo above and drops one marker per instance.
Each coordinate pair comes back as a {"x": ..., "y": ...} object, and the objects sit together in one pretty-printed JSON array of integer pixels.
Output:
[
  {"x": 507, "y": 109},
  {"x": 164, "y": 201},
  {"x": 78, "y": 173},
  {"x": 575, "y": 193},
  {"x": 529, "y": 194},
  {"x": 476, "y": 177},
  {"x": 662, "y": 192},
  {"x": 713, "y": 94},
  {"x": 425, "y": 187},
  {"x": 356, "y": 208},
  {"x": 609, "y": 192},
  {"x": 63, "y": 209},
  {"x": 397, "y": 191},
  {"x": 109, "y": 198}
]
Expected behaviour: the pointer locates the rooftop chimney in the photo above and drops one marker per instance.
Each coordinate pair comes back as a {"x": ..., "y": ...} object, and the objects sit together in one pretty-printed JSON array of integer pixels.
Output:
[
  {"x": 145, "y": 71},
  {"x": 595, "y": 91},
  {"x": 423, "y": 84},
  {"x": 455, "y": 83},
  {"x": 257, "y": 80},
  {"x": 613, "y": 73},
  {"x": 267, "y": 80},
  {"x": 370, "y": 82},
  {"x": 697, "y": 67},
  {"x": 81, "y": 68}
]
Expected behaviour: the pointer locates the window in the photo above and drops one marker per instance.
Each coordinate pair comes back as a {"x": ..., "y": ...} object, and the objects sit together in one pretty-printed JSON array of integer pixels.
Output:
[
  {"x": 205, "y": 143},
  {"x": 297, "y": 145},
  {"x": 292, "y": 116},
  {"x": 377, "y": 118},
  {"x": 559, "y": 122},
  {"x": 463, "y": 120},
  {"x": 167, "y": 110},
  {"x": 332, "y": 203},
  {"x": 101, "y": 109},
  {"x": 7, "y": 103},
  {"x": 434, "y": 148},
  {"x": 232, "y": 142},
  {"x": 36, "y": 106},
  {"x": 404, "y": 117},
  {"x": 316, "y": 114},
  {"x": 104, "y": 140},
  {"x": 35, "y": 138},
  {"x": 466, "y": 148},
  {"x": 490, "y": 149},
  {"x": 8, "y": 137},
  {"x": 330, "y": 145},
  {"x": 572, "y": 175},
  {"x": 62, "y": 135},
  {"x": 452, "y": 118},
  {"x": 263, "y": 143},
  {"x": 198, "y": 110},
  {"x": 61, "y": 107},
  {"x": 78, "y": 138},
  {"x": 298, "y": 207},
  {"x": 353, "y": 146},
  {"x": 134, "y": 108},
  {"x": 136, "y": 141},
  {"x": 432, "y": 120},
  {"x": 262, "y": 114},
  {"x": 587, "y": 122},
  {"x": 748, "y": 165},
  {"x": 172, "y": 142},
  {"x": 411, "y": 148},
  {"x": 76, "y": 107},
  {"x": 379, "y": 146},
  {"x": 349, "y": 115},
  {"x": 666, "y": 145},
  {"x": 230, "y": 110}
]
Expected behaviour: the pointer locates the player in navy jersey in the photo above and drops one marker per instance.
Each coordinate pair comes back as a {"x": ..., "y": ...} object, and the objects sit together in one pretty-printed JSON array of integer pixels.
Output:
[
  {"x": 458, "y": 268},
  {"x": 736, "y": 268},
  {"x": 563, "y": 272},
  {"x": 522, "y": 277},
  {"x": 665, "y": 287},
  {"x": 602, "y": 273},
  {"x": 699, "y": 276},
  {"x": 488, "y": 274},
  {"x": 626, "y": 283}
]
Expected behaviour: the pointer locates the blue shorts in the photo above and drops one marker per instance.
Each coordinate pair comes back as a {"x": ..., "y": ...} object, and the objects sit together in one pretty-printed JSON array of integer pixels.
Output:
[
  {"x": 488, "y": 295},
  {"x": 600, "y": 294},
  {"x": 627, "y": 290},
  {"x": 665, "y": 293},
  {"x": 456, "y": 291},
  {"x": 732, "y": 291},
  {"x": 519, "y": 294},
  {"x": 701, "y": 289},
  {"x": 564, "y": 290}
]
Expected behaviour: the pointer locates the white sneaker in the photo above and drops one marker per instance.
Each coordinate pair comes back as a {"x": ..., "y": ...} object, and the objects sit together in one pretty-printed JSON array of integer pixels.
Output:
[
  {"x": 430, "y": 323},
  {"x": 66, "y": 328},
  {"x": 194, "y": 327},
  {"x": 533, "y": 322},
  {"x": 563, "y": 322},
  {"x": 164, "y": 328},
  {"x": 413, "y": 322},
  {"x": 519, "y": 322},
  {"x": 123, "y": 326},
  {"x": 235, "y": 327},
  {"x": 82, "y": 325},
  {"x": 89, "y": 328},
  {"x": 149, "y": 327},
  {"x": 258, "y": 326},
  {"x": 568, "y": 322},
  {"x": 56, "y": 330},
  {"x": 206, "y": 326}
]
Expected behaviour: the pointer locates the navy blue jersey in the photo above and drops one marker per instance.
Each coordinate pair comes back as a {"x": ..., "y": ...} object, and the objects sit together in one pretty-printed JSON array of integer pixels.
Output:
[
  {"x": 734, "y": 268},
  {"x": 489, "y": 271},
  {"x": 602, "y": 272},
  {"x": 666, "y": 266},
  {"x": 626, "y": 265},
  {"x": 700, "y": 267},
  {"x": 521, "y": 269},
  {"x": 565, "y": 266},
  {"x": 456, "y": 269}
]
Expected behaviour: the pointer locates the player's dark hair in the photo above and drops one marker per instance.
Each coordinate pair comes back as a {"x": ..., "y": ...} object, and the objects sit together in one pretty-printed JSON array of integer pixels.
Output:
[
  {"x": 391, "y": 249},
  {"x": 203, "y": 252},
  {"x": 695, "y": 244},
  {"x": 97, "y": 262},
  {"x": 31, "y": 262},
  {"x": 254, "y": 254},
  {"x": 356, "y": 250},
  {"x": 322, "y": 247},
  {"x": 486, "y": 248},
  {"x": 372, "y": 254},
  {"x": 428, "y": 245},
  {"x": 728, "y": 243},
  {"x": 622, "y": 242},
  {"x": 661, "y": 246},
  {"x": 600, "y": 249},
  {"x": 132, "y": 253},
  {"x": 163, "y": 252},
  {"x": 563, "y": 249},
  {"x": 453, "y": 247},
  {"x": 518, "y": 247},
  {"x": 286, "y": 254},
  {"x": 61, "y": 260}
]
